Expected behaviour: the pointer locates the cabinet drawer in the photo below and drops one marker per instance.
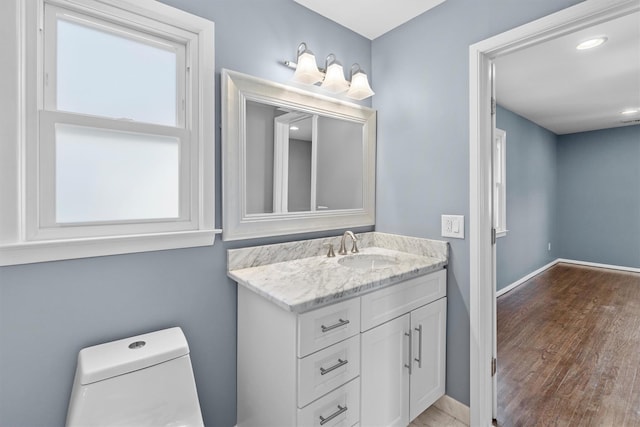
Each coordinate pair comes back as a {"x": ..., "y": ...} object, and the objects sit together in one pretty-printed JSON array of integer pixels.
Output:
[
  {"x": 396, "y": 300},
  {"x": 325, "y": 326},
  {"x": 328, "y": 369},
  {"x": 340, "y": 408}
]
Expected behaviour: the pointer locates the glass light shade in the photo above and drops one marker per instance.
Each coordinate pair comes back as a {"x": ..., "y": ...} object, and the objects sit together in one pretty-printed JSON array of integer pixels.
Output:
[
  {"x": 307, "y": 69},
  {"x": 360, "y": 88},
  {"x": 334, "y": 80}
]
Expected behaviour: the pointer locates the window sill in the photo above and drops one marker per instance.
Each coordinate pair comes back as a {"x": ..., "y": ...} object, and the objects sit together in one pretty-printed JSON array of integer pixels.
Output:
[{"x": 55, "y": 250}]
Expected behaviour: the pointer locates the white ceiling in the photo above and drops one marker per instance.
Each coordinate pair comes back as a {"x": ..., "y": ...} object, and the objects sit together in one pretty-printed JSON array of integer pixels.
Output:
[
  {"x": 566, "y": 90},
  {"x": 552, "y": 84},
  {"x": 370, "y": 18}
]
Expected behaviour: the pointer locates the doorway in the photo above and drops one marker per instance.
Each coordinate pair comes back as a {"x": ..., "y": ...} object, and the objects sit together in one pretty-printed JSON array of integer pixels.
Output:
[{"x": 482, "y": 259}]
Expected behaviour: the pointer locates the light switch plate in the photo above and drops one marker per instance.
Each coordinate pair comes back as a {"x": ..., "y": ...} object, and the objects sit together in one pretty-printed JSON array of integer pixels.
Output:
[{"x": 453, "y": 226}]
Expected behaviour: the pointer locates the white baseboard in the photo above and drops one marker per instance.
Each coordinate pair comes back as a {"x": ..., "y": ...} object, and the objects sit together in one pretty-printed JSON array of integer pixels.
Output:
[
  {"x": 566, "y": 261},
  {"x": 453, "y": 408},
  {"x": 595, "y": 264},
  {"x": 525, "y": 278}
]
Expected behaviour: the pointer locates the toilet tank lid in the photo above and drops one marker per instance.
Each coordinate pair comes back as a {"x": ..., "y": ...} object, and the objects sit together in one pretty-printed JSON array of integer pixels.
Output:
[{"x": 111, "y": 359}]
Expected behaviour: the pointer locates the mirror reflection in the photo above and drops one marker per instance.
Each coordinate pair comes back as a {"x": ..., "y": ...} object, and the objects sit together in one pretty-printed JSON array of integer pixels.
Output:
[{"x": 301, "y": 162}]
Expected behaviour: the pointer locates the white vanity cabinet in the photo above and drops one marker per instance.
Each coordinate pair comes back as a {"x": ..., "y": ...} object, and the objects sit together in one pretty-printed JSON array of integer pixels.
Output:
[
  {"x": 403, "y": 350},
  {"x": 371, "y": 360},
  {"x": 297, "y": 369}
]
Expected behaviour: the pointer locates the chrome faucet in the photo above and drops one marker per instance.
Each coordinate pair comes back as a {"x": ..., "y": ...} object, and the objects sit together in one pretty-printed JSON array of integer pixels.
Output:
[{"x": 343, "y": 249}]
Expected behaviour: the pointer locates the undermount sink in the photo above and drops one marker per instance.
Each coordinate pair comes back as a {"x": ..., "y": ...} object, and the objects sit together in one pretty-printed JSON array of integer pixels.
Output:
[{"x": 368, "y": 261}]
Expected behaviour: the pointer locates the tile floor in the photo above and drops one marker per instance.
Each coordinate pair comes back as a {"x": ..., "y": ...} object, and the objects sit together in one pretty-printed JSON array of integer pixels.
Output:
[{"x": 434, "y": 417}]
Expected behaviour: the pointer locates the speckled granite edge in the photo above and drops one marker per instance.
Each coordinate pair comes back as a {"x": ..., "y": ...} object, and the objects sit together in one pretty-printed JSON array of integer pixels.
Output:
[
  {"x": 325, "y": 284},
  {"x": 412, "y": 245},
  {"x": 298, "y": 276},
  {"x": 269, "y": 254},
  {"x": 256, "y": 256}
]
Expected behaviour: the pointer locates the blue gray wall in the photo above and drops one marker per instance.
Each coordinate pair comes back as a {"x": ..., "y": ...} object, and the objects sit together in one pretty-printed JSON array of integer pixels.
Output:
[
  {"x": 599, "y": 196},
  {"x": 421, "y": 79},
  {"x": 580, "y": 192},
  {"x": 419, "y": 71},
  {"x": 531, "y": 199},
  {"x": 49, "y": 311}
]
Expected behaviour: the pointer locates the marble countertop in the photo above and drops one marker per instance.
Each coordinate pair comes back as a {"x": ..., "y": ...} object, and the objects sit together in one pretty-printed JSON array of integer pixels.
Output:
[{"x": 295, "y": 277}]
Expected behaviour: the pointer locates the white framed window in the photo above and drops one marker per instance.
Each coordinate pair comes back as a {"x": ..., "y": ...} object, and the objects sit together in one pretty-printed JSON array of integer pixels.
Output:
[
  {"x": 115, "y": 141},
  {"x": 500, "y": 182}
]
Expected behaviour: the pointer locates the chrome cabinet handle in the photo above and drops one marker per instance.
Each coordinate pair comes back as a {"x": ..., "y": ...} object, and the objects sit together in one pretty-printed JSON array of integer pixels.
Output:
[
  {"x": 340, "y": 363},
  {"x": 419, "y": 358},
  {"x": 337, "y": 325},
  {"x": 408, "y": 365},
  {"x": 341, "y": 410}
]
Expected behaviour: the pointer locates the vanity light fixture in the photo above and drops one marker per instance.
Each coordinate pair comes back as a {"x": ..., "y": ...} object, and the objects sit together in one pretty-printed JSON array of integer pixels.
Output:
[
  {"x": 306, "y": 69},
  {"x": 332, "y": 77},
  {"x": 630, "y": 111},
  {"x": 359, "y": 88},
  {"x": 591, "y": 43},
  {"x": 334, "y": 80}
]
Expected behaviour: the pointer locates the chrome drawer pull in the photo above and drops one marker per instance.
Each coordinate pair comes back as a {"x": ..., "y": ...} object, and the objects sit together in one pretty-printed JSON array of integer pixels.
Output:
[
  {"x": 408, "y": 365},
  {"x": 341, "y": 410},
  {"x": 334, "y": 367},
  {"x": 419, "y": 358},
  {"x": 337, "y": 325}
]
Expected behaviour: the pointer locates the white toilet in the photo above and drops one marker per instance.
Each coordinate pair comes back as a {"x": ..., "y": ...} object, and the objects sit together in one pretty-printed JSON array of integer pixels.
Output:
[{"x": 145, "y": 380}]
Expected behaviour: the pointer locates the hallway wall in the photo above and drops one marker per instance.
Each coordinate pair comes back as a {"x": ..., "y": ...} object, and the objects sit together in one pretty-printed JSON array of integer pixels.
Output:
[
  {"x": 598, "y": 205},
  {"x": 531, "y": 198}
]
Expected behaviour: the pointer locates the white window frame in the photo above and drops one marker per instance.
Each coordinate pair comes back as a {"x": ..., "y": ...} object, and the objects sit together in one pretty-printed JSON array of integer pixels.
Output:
[
  {"x": 500, "y": 182},
  {"x": 28, "y": 231}
]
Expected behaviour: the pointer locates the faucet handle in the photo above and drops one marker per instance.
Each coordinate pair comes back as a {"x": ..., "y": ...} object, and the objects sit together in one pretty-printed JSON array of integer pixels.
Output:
[{"x": 330, "y": 253}]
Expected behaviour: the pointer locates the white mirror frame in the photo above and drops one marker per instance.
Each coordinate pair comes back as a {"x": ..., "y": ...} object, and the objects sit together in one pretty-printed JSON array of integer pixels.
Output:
[{"x": 237, "y": 89}]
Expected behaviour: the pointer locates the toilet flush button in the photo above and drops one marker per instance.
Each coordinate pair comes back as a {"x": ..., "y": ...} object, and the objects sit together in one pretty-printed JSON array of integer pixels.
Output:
[{"x": 136, "y": 345}]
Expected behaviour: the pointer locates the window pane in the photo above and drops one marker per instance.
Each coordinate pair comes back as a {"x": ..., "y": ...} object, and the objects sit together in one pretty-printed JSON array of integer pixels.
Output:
[
  {"x": 104, "y": 175},
  {"x": 109, "y": 74},
  {"x": 496, "y": 207},
  {"x": 497, "y": 161}
]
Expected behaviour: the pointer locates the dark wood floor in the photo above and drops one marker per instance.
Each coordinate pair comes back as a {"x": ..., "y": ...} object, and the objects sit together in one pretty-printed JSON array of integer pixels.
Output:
[{"x": 569, "y": 349}]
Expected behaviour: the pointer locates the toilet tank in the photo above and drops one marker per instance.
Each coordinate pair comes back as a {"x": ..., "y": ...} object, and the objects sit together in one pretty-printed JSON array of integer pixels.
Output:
[{"x": 146, "y": 380}]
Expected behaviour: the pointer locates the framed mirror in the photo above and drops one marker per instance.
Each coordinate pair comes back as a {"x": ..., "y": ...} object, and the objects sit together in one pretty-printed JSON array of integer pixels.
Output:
[{"x": 293, "y": 161}]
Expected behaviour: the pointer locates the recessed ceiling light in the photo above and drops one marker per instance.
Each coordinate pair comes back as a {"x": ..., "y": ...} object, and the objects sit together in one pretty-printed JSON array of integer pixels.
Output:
[
  {"x": 591, "y": 43},
  {"x": 630, "y": 111},
  {"x": 294, "y": 128}
]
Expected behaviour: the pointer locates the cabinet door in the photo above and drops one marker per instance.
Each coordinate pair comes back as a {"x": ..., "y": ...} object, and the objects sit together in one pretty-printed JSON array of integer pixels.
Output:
[
  {"x": 428, "y": 330},
  {"x": 384, "y": 377}
]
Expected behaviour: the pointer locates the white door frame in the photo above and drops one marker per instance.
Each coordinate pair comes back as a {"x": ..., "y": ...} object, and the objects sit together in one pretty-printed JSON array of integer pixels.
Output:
[{"x": 481, "y": 55}]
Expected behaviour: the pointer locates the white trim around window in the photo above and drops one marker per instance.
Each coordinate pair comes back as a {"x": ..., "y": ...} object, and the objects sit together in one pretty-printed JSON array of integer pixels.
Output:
[
  {"x": 500, "y": 182},
  {"x": 29, "y": 230}
]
